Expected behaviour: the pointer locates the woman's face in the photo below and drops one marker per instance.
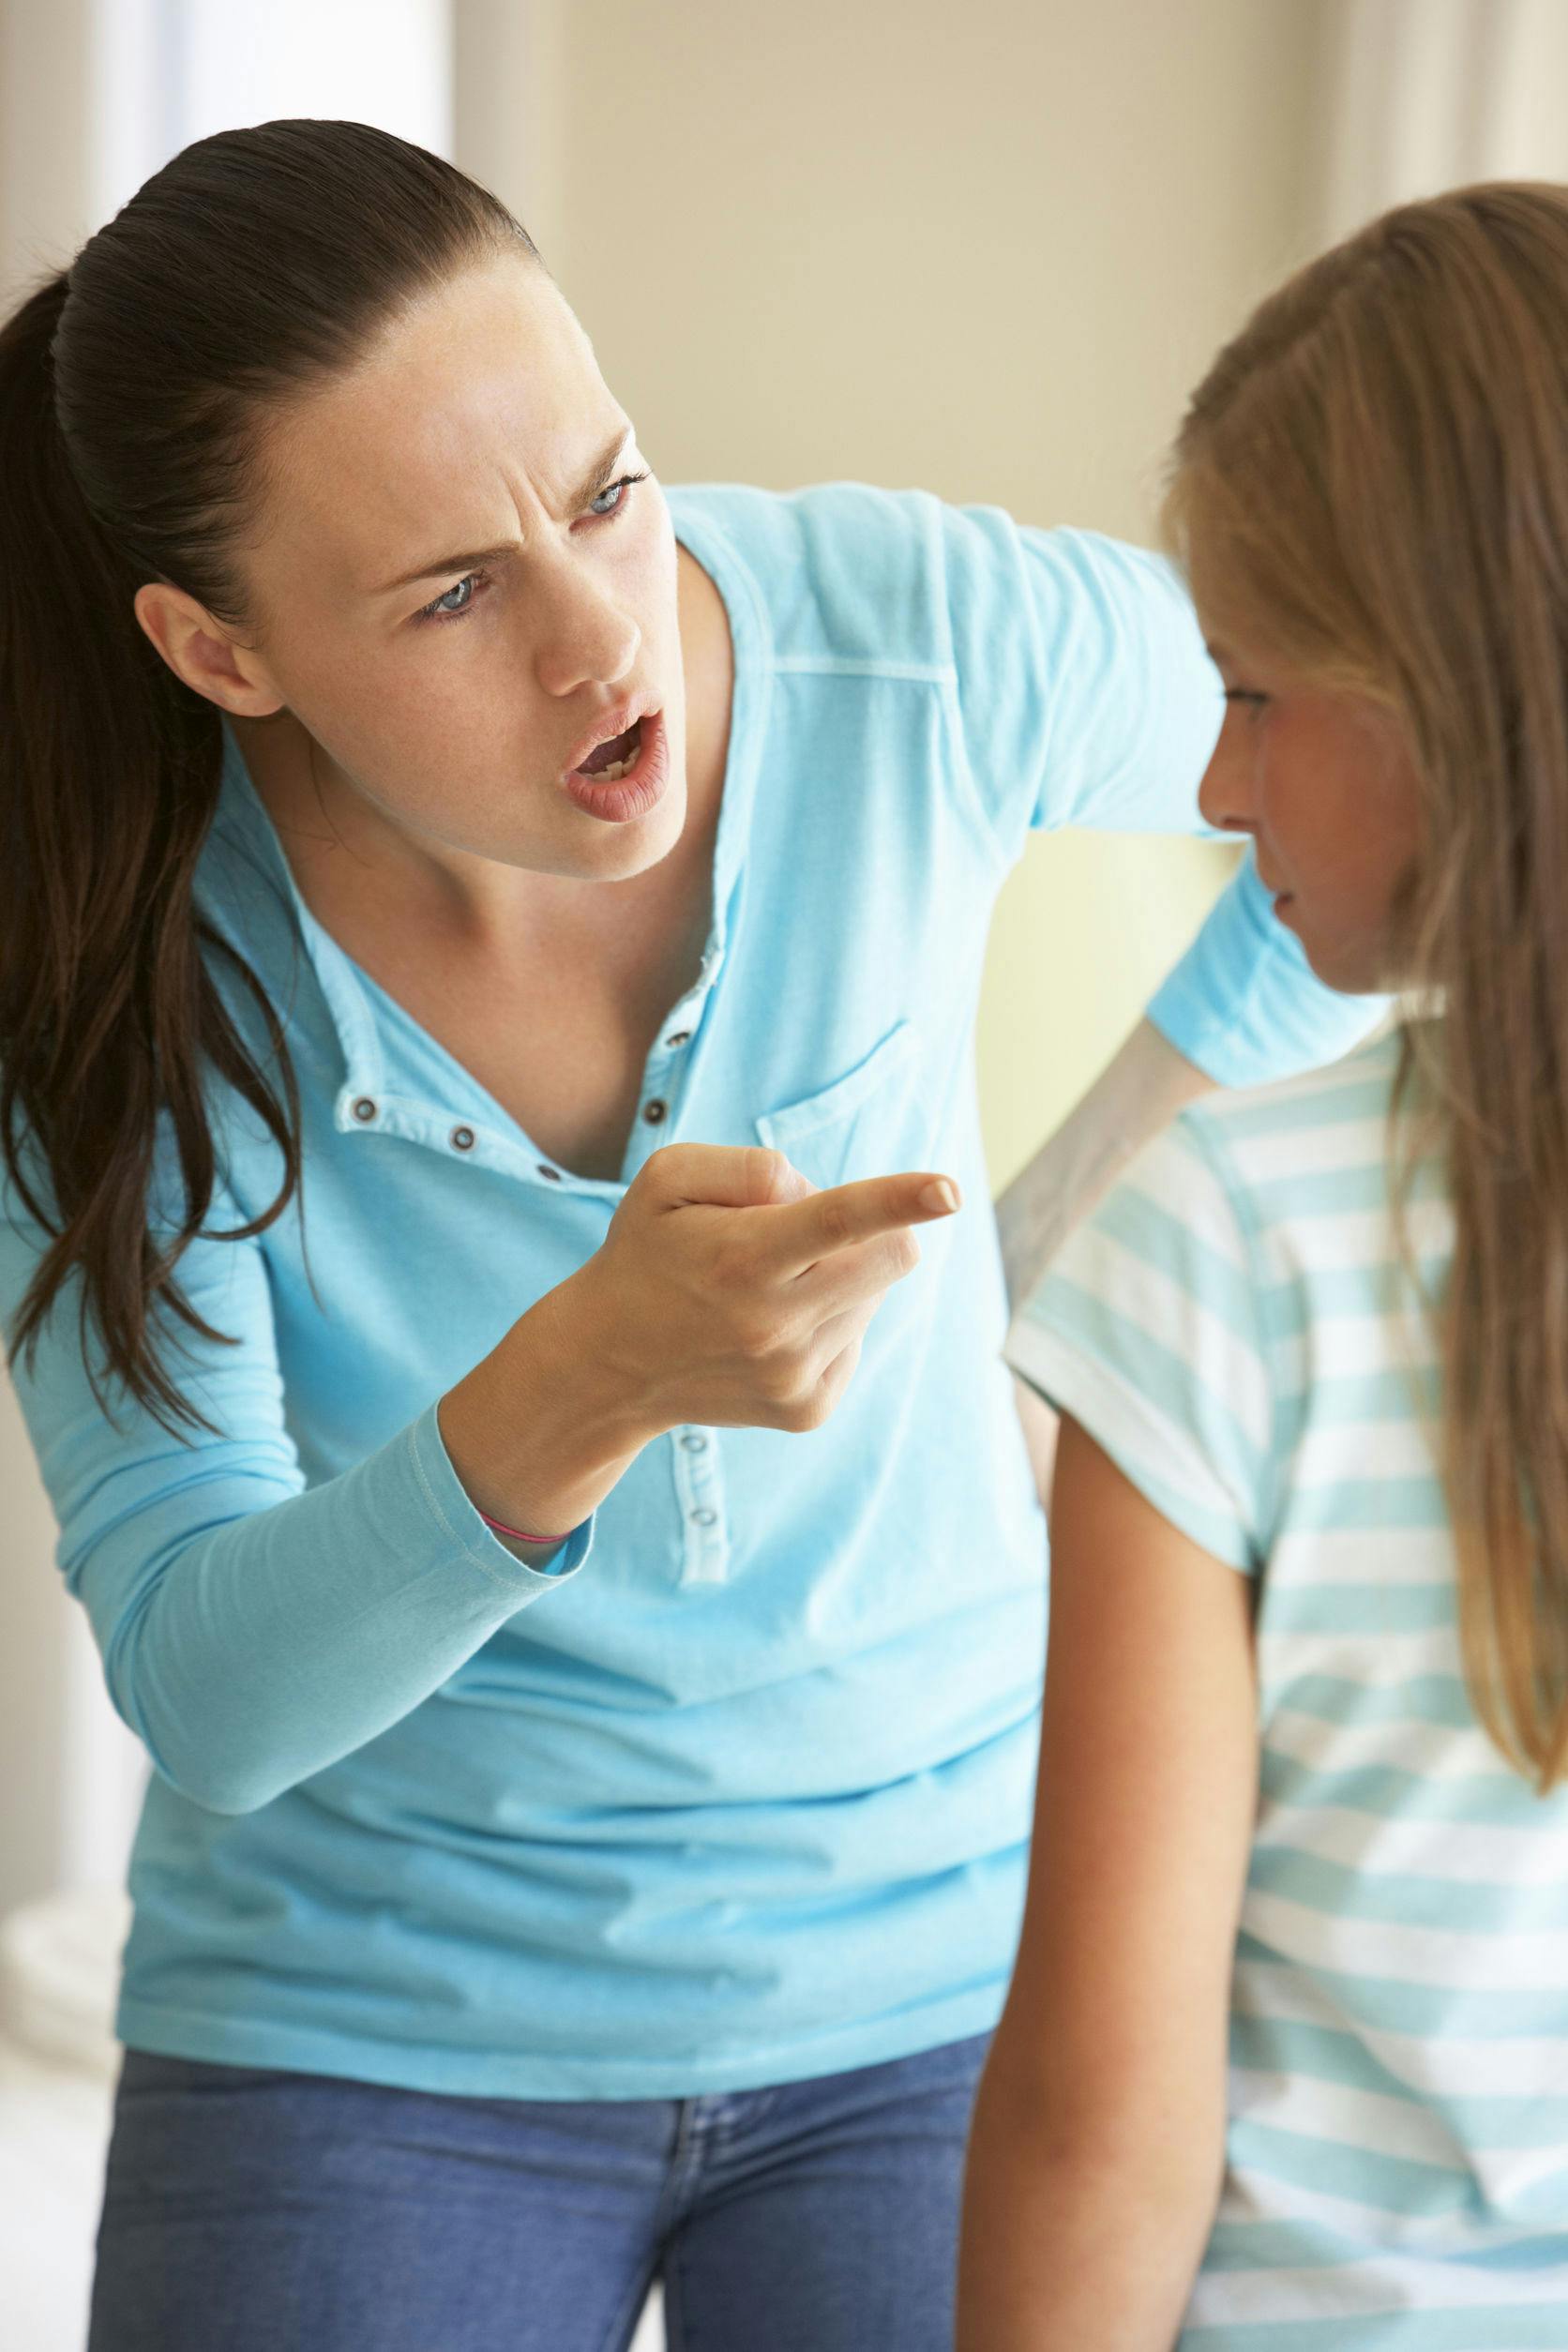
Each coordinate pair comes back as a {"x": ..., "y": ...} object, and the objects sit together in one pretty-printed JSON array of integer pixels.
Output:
[
  {"x": 1326, "y": 787},
  {"x": 463, "y": 582}
]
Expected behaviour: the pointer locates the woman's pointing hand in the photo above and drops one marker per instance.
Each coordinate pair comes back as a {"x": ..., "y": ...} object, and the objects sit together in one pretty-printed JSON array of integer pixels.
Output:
[{"x": 728, "y": 1291}]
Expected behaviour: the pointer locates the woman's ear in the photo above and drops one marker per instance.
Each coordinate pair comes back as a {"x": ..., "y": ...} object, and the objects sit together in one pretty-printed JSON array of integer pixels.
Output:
[{"x": 200, "y": 650}]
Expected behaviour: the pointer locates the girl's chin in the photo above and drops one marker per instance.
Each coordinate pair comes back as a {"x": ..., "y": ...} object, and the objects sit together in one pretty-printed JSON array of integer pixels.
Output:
[{"x": 1348, "y": 970}]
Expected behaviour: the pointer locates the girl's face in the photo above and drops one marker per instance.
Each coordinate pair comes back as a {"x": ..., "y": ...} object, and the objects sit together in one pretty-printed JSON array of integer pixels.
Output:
[
  {"x": 463, "y": 581},
  {"x": 1326, "y": 787}
]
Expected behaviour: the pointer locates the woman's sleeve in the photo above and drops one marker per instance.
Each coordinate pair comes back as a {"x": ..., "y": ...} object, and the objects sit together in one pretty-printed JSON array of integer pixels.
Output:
[
  {"x": 1086, "y": 697},
  {"x": 252, "y": 1630}
]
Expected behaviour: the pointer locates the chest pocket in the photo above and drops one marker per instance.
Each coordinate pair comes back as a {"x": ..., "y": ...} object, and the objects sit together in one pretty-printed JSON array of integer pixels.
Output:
[{"x": 868, "y": 1122}]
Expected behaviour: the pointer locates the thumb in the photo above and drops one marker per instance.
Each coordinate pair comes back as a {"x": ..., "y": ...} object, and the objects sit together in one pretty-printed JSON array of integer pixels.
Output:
[
  {"x": 723, "y": 1176},
  {"x": 786, "y": 1182}
]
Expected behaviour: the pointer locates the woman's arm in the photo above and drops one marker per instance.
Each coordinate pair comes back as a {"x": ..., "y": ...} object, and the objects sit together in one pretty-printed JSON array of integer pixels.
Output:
[
  {"x": 1141, "y": 1087},
  {"x": 1097, "y": 2148},
  {"x": 1085, "y": 698},
  {"x": 255, "y": 1630}
]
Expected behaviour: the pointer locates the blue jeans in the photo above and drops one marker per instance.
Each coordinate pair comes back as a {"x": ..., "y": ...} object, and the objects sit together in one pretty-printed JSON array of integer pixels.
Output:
[{"x": 254, "y": 2211}]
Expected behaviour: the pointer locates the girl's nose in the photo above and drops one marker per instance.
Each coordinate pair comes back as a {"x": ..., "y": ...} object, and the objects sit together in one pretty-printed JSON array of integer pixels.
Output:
[{"x": 1226, "y": 797}]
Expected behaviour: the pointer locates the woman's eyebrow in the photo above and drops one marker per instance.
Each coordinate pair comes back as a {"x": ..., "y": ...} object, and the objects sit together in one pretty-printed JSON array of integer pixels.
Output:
[{"x": 598, "y": 478}]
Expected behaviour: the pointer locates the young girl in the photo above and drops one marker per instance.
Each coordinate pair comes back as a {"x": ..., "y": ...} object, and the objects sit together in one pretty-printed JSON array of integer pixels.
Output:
[{"x": 1306, "y": 1716}]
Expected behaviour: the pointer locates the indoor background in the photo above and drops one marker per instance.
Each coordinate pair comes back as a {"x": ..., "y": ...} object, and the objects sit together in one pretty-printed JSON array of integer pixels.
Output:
[{"x": 985, "y": 248}]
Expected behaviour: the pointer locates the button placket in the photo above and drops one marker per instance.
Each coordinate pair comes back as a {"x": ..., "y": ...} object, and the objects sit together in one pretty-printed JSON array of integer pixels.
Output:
[
  {"x": 664, "y": 1072},
  {"x": 700, "y": 1491}
]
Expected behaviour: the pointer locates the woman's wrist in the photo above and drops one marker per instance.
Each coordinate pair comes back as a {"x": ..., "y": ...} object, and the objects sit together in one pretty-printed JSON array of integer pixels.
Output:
[{"x": 541, "y": 1431}]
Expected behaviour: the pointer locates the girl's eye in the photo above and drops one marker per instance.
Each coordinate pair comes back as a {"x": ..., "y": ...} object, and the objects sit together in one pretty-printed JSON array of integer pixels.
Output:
[
  {"x": 443, "y": 609},
  {"x": 1244, "y": 694},
  {"x": 613, "y": 496}
]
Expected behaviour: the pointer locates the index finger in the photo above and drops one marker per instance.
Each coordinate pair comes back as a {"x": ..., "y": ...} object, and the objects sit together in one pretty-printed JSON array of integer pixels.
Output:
[{"x": 803, "y": 1232}]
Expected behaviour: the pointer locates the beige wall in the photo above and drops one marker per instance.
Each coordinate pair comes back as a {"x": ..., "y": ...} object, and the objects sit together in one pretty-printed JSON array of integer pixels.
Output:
[{"x": 983, "y": 247}]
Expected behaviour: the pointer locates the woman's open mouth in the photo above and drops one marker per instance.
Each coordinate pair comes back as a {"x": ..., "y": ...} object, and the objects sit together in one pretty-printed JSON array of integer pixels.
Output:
[
  {"x": 625, "y": 775},
  {"x": 616, "y": 758}
]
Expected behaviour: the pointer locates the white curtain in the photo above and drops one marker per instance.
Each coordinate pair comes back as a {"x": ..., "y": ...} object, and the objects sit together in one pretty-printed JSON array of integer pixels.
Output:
[
  {"x": 1422, "y": 95},
  {"x": 95, "y": 95}
]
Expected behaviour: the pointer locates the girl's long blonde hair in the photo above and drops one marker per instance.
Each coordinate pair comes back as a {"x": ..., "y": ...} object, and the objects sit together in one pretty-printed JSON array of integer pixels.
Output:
[{"x": 1372, "y": 484}]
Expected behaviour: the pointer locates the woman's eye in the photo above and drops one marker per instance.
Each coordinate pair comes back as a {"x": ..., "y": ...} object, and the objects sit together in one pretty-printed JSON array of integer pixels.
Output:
[
  {"x": 613, "y": 496},
  {"x": 443, "y": 609},
  {"x": 454, "y": 602},
  {"x": 1245, "y": 694}
]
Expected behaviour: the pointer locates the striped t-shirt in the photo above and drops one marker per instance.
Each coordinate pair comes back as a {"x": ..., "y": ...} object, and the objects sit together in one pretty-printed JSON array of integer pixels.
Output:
[{"x": 1233, "y": 1328}]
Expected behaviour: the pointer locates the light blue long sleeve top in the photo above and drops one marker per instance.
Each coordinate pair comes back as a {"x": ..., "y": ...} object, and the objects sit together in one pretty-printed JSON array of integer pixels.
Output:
[{"x": 739, "y": 1793}]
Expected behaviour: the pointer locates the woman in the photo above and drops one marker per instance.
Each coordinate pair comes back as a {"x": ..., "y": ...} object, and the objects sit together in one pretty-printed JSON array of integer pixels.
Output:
[
  {"x": 478, "y": 942},
  {"x": 1301, "y": 1791}
]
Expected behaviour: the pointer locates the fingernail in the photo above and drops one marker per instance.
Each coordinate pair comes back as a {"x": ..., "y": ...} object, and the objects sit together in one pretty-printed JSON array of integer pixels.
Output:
[{"x": 941, "y": 1197}]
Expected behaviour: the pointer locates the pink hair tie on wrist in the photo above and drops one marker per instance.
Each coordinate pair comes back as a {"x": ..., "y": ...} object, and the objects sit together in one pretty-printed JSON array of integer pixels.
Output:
[{"x": 516, "y": 1533}]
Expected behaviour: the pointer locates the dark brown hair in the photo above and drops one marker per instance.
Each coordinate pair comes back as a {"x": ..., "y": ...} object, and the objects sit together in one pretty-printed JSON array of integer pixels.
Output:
[
  {"x": 133, "y": 388},
  {"x": 1372, "y": 484}
]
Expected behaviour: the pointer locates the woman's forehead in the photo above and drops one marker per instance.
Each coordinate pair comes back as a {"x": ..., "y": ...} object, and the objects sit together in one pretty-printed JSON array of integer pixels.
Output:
[
  {"x": 483, "y": 398},
  {"x": 490, "y": 351}
]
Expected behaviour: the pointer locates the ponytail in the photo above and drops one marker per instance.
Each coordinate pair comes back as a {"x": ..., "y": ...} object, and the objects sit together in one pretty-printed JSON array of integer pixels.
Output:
[{"x": 109, "y": 769}]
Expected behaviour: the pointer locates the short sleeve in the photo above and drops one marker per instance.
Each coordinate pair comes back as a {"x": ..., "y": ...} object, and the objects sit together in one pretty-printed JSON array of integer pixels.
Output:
[
  {"x": 1147, "y": 1330},
  {"x": 1076, "y": 691}
]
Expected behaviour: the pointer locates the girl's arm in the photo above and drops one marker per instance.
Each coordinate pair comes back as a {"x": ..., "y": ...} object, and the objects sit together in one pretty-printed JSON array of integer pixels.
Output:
[{"x": 1097, "y": 2146}]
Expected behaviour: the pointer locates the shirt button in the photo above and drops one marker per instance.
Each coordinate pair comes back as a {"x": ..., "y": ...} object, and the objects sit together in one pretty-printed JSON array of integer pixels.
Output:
[
  {"x": 462, "y": 1138},
  {"x": 553, "y": 1174},
  {"x": 364, "y": 1110},
  {"x": 653, "y": 1113},
  {"x": 680, "y": 1037},
  {"x": 704, "y": 1517},
  {"x": 694, "y": 1441}
]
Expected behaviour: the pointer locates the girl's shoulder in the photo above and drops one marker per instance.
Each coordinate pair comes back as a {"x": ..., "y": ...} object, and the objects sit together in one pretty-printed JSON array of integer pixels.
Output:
[
  {"x": 1357, "y": 1087},
  {"x": 1245, "y": 1259},
  {"x": 1295, "y": 1150}
]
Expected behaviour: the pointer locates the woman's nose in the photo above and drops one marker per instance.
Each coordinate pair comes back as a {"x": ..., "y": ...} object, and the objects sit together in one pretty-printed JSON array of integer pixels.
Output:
[{"x": 588, "y": 640}]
